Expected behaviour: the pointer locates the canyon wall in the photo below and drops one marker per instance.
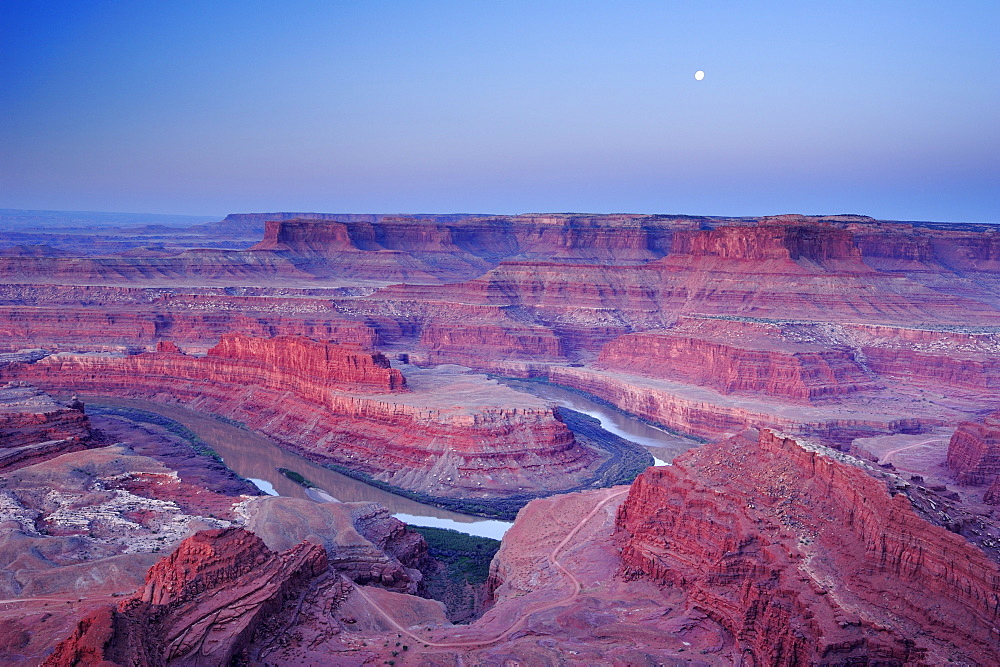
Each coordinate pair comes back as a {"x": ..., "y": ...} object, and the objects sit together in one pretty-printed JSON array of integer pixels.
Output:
[
  {"x": 34, "y": 427},
  {"x": 445, "y": 439},
  {"x": 974, "y": 451},
  {"x": 807, "y": 555},
  {"x": 740, "y": 357},
  {"x": 705, "y": 414},
  {"x": 201, "y": 605}
]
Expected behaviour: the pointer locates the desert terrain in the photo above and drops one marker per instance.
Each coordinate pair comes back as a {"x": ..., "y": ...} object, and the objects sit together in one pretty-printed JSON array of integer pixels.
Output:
[{"x": 818, "y": 395}]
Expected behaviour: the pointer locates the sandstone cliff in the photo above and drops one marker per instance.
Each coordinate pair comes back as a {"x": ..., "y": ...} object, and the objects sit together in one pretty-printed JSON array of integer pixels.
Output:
[
  {"x": 201, "y": 605},
  {"x": 771, "y": 359},
  {"x": 705, "y": 413},
  {"x": 34, "y": 427},
  {"x": 974, "y": 451},
  {"x": 459, "y": 436},
  {"x": 807, "y": 555}
]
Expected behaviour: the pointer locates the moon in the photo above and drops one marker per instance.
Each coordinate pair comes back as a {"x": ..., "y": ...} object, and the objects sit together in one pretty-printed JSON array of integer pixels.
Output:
[{"x": 699, "y": 75}]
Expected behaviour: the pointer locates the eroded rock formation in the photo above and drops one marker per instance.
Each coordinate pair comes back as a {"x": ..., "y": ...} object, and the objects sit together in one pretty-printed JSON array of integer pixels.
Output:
[
  {"x": 456, "y": 436},
  {"x": 201, "y": 605},
  {"x": 808, "y": 555},
  {"x": 34, "y": 427},
  {"x": 792, "y": 362},
  {"x": 974, "y": 451}
]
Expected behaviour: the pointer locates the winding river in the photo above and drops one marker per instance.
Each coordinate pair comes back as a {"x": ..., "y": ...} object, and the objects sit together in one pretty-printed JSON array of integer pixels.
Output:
[
  {"x": 257, "y": 458},
  {"x": 663, "y": 445}
]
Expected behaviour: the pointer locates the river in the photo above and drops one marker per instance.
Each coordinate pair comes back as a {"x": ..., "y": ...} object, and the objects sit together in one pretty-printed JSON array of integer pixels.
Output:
[
  {"x": 257, "y": 458},
  {"x": 663, "y": 445}
]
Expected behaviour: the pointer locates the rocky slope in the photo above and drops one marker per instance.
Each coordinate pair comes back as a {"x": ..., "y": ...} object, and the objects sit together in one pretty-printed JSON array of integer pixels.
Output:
[
  {"x": 806, "y": 555},
  {"x": 758, "y": 548},
  {"x": 201, "y": 605}
]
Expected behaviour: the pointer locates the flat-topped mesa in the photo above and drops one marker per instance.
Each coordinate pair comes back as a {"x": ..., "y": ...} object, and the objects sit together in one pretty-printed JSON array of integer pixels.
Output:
[
  {"x": 913, "y": 248},
  {"x": 794, "y": 239},
  {"x": 315, "y": 236},
  {"x": 974, "y": 451},
  {"x": 791, "y": 361},
  {"x": 807, "y": 555},
  {"x": 292, "y": 361}
]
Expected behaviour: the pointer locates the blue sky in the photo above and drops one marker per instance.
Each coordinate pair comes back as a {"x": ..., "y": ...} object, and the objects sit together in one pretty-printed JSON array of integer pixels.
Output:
[{"x": 890, "y": 109}]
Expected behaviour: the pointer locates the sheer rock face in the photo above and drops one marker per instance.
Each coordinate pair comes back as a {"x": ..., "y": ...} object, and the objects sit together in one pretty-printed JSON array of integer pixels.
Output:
[
  {"x": 480, "y": 343},
  {"x": 202, "y": 604},
  {"x": 708, "y": 414},
  {"x": 807, "y": 555},
  {"x": 929, "y": 357},
  {"x": 974, "y": 451},
  {"x": 454, "y": 438},
  {"x": 34, "y": 427},
  {"x": 285, "y": 363},
  {"x": 907, "y": 248},
  {"x": 481, "y": 240},
  {"x": 202, "y": 321},
  {"x": 295, "y": 362},
  {"x": 790, "y": 362},
  {"x": 797, "y": 239}
]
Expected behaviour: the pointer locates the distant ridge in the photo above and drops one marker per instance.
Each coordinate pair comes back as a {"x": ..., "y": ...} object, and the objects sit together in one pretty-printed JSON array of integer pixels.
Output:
[
  {"x": 30, "y": 219},
  {"x": 252, "y": 224}
]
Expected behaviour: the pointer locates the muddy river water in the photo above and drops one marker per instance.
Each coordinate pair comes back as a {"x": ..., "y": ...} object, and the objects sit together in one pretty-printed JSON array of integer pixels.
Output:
[{"x": 258, "y": 459}]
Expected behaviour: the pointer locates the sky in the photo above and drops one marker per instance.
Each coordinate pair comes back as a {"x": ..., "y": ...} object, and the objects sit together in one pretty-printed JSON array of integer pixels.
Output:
[{"x": 889, "y": 109}]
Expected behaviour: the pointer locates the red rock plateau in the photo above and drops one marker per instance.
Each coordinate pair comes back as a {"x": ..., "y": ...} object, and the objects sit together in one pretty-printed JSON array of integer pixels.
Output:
[
  {"x": 879, "y": 339},
  {"x": 452, "y": 435}
]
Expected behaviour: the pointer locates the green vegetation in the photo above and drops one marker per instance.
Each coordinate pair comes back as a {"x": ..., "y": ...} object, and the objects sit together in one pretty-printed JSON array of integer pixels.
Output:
[
  {"x": 232, "y": 422},
  {"x": 297, "y": 478},
  {"x": 627, "y": 458},
  {"x": 141, "y": 416},
  {"x": 467, "y": 557}
]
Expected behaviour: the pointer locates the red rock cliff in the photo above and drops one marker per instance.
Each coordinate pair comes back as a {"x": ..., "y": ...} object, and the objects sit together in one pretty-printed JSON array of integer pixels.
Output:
[
  {"x": 294, "y": 362},
  {"x": 794, "y": 241},
  {"x": 449, "y": 439},
  {"x": 740, "y": 357},
  {"x": 34, "y": 427},
  {"x": 810, "y": 556},
  {"x": 974, "y": 451},
  {"x": 200, "y": 605}
]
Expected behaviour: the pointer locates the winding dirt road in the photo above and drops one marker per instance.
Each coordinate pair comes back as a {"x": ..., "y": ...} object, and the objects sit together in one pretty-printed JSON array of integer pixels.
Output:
[{"x": 523, "y": 615}]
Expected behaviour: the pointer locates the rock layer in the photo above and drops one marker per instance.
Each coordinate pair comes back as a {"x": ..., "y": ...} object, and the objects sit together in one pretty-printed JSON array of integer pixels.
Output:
[
  {"x": 201, "y": 605},
  {"x": 34, "y": 427},
  {"x": 442, "y": 440},
  {"x": 807, "y": 555},
  {"x": 741, "y": 357},
  {"x": 974, "y": 451}
]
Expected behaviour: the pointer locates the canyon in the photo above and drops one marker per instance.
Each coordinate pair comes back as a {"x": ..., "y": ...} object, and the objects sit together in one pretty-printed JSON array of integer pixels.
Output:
[{"x": 841, "y": 372}]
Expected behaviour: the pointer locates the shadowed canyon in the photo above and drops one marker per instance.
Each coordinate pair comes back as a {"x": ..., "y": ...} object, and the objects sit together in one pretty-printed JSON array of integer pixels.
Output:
[{"x": 738, "y": 441}]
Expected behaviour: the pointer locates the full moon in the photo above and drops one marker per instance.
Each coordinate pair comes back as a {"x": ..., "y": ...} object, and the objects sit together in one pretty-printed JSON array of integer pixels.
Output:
[{"x": 699, "y": 75}]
